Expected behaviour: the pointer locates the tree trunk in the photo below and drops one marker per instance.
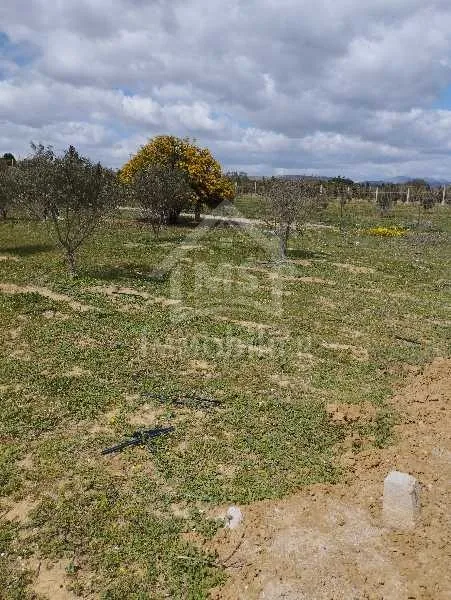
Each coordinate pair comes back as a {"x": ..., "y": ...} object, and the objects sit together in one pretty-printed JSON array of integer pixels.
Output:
[
  {"x": 156, "y": 229},
  {"x": 71, "y": 262},
  {"x": 172, "y": 217},
  {"x": 284, "y": 233},
  {"x": 286, "y": 236},
  {"x": 282, "y": 247},
  {"x": 197, "y": 208}
]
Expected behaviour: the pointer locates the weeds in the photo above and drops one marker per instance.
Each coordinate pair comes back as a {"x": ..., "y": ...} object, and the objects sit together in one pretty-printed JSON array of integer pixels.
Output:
[
  {"x": 72, "y": 382},
  {"x": 392, "y": 231}
]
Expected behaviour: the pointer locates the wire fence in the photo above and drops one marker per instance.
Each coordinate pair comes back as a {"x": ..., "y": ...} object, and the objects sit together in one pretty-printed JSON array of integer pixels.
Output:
[{"x": 376, "y": 194}]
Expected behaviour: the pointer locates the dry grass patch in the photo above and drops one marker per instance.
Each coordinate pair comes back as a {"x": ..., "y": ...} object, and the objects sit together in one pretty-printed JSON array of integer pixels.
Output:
[
  {"x": 357, "y": 352},
  {"x": 15, "y": 387},
  {"x": 300, "y": 279},
  {"x": 255, "y": 349},
  {"x": 199, "y": 367},
  {"x": 6, "y": 257},
  {"x": 303, "y": 262},
  {"x": 306, "y": 360},
  {"x": 354, "y": 268},
  {"x": 252, "y": 325},
  {"x": 353, "y": 333},
  {"x": 167, "y": 301},
  {"x": 326, "y": 302},
  {"x": 21, "y": 352},
  {"x": 52, "y": 314},
  {"x": 290, "y": 381},
  {"x": 26, "y": 462},
  {"x": 191, "y": 247},
  {"x": 15, "y": 332},
  {"x": 85, "y": 342},
  {"x": 115, "y": 291},
  {"x": 163, "y": 348},
  {"x": 145, "y": 415},
  {"x": 264, "y": 270},
  {"x": 135, "y": 245},
  {"x": 77, "y": 372},
  {"x": 11, "y": 288},
  {"x": 318, "y": 280},
  {"x": 20, "y": 510}
]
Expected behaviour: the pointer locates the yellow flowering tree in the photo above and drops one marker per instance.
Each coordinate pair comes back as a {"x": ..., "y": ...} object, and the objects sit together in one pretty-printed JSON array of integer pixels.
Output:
[{"x": 204, "y": 174}]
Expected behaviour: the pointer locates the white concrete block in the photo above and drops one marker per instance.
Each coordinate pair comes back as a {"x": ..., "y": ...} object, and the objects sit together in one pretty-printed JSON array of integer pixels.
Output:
[
  {"x": 401, "y": 504},
  {"x": 234, "y": 516}
]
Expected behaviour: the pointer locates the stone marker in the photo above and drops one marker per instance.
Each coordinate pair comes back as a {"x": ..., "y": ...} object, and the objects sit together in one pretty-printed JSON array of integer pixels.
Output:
[
  {"x": 401, "y": 504},
  {"x": 234, "y": 516}
]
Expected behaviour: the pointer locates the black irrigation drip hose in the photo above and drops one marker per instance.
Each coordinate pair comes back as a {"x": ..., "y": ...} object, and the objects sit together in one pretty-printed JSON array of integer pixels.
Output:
[{"x": 139, "y": 438}]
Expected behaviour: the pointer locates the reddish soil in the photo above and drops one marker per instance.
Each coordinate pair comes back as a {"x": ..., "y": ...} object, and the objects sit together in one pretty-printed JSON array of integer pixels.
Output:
[{"x": 328, "y": 542}]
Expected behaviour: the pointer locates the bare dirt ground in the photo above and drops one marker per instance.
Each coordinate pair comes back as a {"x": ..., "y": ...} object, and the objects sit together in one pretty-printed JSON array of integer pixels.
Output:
[{"x": 328, "y": 542}]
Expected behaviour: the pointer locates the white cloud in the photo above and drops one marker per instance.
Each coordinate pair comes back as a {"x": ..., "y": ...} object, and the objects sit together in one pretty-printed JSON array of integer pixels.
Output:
[{"x": 335, "y": 85}]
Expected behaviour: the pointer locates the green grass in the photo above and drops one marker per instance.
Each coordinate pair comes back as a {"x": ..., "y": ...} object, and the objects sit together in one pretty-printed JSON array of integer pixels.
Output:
[
  {"x": 273, "y": 347},
  {"x": 356, "y": 213}
]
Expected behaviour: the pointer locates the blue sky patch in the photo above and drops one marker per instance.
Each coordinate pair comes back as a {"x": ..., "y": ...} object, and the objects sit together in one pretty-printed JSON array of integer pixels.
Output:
[
  {"x": 444, "y": 100},
  {"x": 21, "y": 54}
]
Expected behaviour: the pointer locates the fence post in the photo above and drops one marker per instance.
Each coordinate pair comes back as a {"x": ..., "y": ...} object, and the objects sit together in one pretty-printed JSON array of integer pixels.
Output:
[
  {"x": 444, "y": 195},
  {"x": 377, "y": 193},
  {"x": 408, "y": 196},
  {"x": 255, "y": 187}
]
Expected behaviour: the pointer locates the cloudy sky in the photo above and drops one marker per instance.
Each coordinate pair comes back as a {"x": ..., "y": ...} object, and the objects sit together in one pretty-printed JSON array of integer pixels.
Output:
[{"x": 350, "y": 87}]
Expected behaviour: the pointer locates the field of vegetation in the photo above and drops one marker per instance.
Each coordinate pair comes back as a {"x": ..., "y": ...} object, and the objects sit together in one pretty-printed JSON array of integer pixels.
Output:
[{"x": 152, "y": 323}]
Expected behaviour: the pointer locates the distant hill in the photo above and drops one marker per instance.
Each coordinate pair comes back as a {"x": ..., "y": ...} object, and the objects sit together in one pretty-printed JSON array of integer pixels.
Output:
[
  {"x": 309, "y": 177},
  {"x": 293, "y": 177},
  {"x": 399, "y": 179}
]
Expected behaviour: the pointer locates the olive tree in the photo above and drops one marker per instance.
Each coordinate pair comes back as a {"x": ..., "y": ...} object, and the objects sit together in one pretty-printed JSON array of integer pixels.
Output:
[
  {"x": 287, "y": 205},
  {"x": 7, "y": 187},
  {"x": 161, "y": 192},
  {"x": 70, "y": 192},
  {"x": 34, "y": 190}
]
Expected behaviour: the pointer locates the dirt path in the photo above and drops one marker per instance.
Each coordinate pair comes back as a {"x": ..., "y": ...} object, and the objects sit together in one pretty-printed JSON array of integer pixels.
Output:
[
  {"x": 329, "y": 542},
  {"x": 233, "y": 219}
]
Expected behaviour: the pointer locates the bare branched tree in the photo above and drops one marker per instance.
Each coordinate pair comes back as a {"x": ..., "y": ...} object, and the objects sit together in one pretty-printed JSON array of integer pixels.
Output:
[
  {"x": 71, "y": 192},
  {"x": 161, "y": 192},
  {"x": 288, "y": 205},
  {"x": 384, "y": 202}
]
